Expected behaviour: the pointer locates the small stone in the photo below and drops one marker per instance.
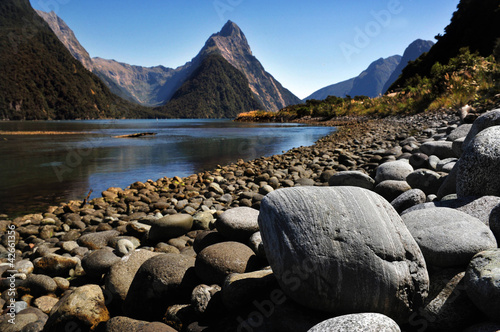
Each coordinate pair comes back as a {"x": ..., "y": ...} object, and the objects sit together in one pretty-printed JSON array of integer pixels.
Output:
[
  {"x": 124, "y": 247},
  {"x": 255, "y": 243},
  {"x": 395, "y": 170},
  {"x": 45, "y": 303},
  {"x": 408, "y": 199},
  {"x": 83, "y": 308},
  {"x": 238, "y": 224},
  {"x": 97, "y": 240},
  {"x": 201, "y": 297},
  {"x": 170, "y": 227},
  {"x": 352, "y": 178},
  {"x": 216, "y": 262},
  {"x": 40, "y": 284},
  {"x": 99, "y": 262},
  {"x": 207, "y": 238},
  {"x": 426, "y": 180},
  {"x": 391, "y": 189},
  {"x": 203, "y": 220},
  {"x": 55, "y": 265}
]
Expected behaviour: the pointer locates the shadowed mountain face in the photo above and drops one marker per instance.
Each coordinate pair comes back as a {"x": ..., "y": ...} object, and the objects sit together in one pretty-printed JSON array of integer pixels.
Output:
[
  {"x": 412, "y": 52},
  {"x": 41, "y": 80},
  {"x": 473, "y": 25},
  {"x": 155, "y": 86}
]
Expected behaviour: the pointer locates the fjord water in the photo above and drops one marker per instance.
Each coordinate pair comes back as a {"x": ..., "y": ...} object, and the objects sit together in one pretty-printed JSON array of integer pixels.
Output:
[{"x": 46, "y": 169}]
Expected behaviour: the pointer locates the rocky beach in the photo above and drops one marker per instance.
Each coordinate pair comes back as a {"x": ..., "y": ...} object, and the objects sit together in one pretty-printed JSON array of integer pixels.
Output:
[{"x": 388, "y": 224}]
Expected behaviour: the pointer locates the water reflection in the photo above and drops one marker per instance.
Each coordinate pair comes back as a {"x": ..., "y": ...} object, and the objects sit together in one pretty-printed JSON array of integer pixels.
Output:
[{"x": 39, "y": 170}]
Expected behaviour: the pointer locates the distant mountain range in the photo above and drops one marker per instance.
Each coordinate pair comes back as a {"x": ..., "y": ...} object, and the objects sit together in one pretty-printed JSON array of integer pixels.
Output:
[
  {"x": 376, "y": 79},
  {"x": 155, "y": 86}
]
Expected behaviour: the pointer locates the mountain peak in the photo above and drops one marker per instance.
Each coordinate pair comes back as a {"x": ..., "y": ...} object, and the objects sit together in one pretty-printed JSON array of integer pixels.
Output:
[{"x": 230, "y": 29}]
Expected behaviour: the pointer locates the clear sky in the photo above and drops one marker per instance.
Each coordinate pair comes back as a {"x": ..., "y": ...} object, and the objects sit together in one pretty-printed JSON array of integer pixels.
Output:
[{"x": 306, "y": 45}]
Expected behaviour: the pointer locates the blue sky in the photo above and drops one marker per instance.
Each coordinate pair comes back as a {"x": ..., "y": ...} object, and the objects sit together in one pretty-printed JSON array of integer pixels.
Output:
[{"x": 304, "y": 45}]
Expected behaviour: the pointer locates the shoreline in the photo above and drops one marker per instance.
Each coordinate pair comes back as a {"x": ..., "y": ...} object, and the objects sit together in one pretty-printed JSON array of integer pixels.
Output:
[{"x": 83, "y": 242}]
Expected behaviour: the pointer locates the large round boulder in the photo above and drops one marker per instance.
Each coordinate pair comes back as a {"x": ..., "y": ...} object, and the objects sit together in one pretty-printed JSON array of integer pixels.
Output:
[
  {"x": 482, "y": 281},
  {"x": 341, "y": 250},
  {"x": 448, "y": 237},
  {"x": 369, "y": 322},
  {"x": 352, "y": 178},
  {"x": 478, "y": 167},
  {"x": 488, "y": 119},
  {"x": 162, "y": 280}
]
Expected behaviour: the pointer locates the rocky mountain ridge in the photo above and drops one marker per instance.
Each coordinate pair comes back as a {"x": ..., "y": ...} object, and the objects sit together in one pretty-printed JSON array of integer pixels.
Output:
[{"x": 155, "y": 86}]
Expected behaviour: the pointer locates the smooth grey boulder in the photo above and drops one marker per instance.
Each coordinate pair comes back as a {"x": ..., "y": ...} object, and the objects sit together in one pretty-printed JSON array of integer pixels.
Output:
[
  {"x": 342, "y": 249},
  {"x": 97, "y": 240},
  {"x": 160, "y": 281},
  {"x": 367, "y": 322},
  {"x": 448, "y": 237},
  {"x": 440, "y": 149},
  {"x": 238, "y": 224},
  {"x": 170, "y": 227},
  {"x": 488, "y": 119},
  {"x": 478, "y": 168},
  {"x": 426, "y": 180},
  {"x": 408, "y": 199},
  {"x": 460, "y": 132},
  {"x": 352, "y": 178},
  {"x": 482, "y": 281},
  {"x": 394, "y": 170},
  {"x": 482, "y": 208}
]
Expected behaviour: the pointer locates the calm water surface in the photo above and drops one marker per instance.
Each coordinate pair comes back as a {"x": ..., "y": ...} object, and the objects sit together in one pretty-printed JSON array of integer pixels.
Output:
[{"x": 41, "y": 170}]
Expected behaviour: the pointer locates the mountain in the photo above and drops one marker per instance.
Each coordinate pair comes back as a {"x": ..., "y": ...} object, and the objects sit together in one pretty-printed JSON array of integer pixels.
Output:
[
  {"x": 154, "y": 86},
  {"x": 369, "y": 83},
  {"x": 473, "y": 25},
  {"x": 214, "y": 90},
  {"x": 232, "y": 44},
  {"x": 40, "y": 79},
  {"x": 412, "y": 52},
  {"x": 377, "y": 78}
]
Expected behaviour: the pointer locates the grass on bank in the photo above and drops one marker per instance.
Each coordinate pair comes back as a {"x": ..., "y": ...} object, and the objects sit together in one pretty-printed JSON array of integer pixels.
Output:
[{"x": 467, "y": 79}]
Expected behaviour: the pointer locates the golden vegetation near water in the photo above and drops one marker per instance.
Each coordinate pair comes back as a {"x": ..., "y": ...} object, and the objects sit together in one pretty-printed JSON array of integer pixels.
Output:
[{"x": 466, "y": 79}]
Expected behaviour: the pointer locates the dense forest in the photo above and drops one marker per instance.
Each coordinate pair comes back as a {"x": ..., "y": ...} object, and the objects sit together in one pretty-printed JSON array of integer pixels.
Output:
[{"x": 41, "y": 80}]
